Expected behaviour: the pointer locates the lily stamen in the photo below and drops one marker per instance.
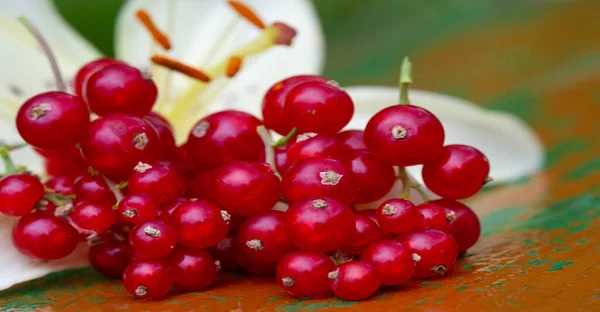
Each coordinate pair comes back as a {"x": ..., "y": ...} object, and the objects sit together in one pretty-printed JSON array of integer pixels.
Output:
[
  {"x": 247, "y": 13},
  {"x": 158, "y": 36},
  {"x": 180, "y": 68},
  {"x": 233, "y": 66}
]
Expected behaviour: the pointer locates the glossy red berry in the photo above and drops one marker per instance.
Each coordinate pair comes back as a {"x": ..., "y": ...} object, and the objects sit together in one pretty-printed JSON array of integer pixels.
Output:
[
  {"x": 93, "y": 216},
  {"x": 435, "y": 251},
  {"x": 148, "y": 278},
  {"x": 166, "y": 210},
  {"x": 372, "y": 214},
  {"x": 161, "y": 180},
  {"x": 62, "y": 185},
  {"x": 264, "y": 238},
  {"x": 137, "y": 208},
  {"x": 193, "y": 269},
  {"x": 304, "y": 274},
  {"x": 111, "y": 257},
  {"x": 246, "y": 188},
  {"x": 318, "y": 177},
  {"x": 354, "y": 280},
  {"x": 120, "y": 89},
  {"x": 153, "y": 239},
  {"x": 200, "y": 224},
  {"x": 19, "y": 193},
  {"x": 89, "y": 69},
  {"x": 281, "y": 158},
  {"x": 323, "y": 108},
  {"x": 116, "y": 143},
  {"x": 436, "y": 216},
  {"x": 53, "y": 120},
  {"x": 398, "y": 216},
  {"x": 404, "y": 135},
  {"x": 66, "y": 162},
  {"x": 465, "y": 228},
  {"x": 373, "y": 177},
  {"x": 393, "y": 261},
  {"x": 44, "y": 236},
  {"x": 94, "y": 188},
  {"x": 352, "y": 139},
  {"x": 226, "y": 136},
  {"x": 224, "y": 252},
  {"x": 319, "y": 224},
  {"x": 317, "y": 146},
  {"x": 366, "y": 232},
  {"x": 272, "y": 106},
  {"x": 166, "y": 140},
  {"x": 458, "y": 171}
]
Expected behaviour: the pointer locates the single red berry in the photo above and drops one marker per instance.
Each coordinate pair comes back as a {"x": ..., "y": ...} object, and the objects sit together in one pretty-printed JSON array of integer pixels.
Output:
[
  {"x": 111, "y": 257},
  {"x": 436, "y": 251},
  {"x": 161, "y": 180},
  {"x": 53, "y": 120},
  {"x": 465, "y": 228},
  {"x": 372, "y": 214},
  {"x": 436, "y": 216},
  {"x": 19, "y": 193},
  {"x": 263, "y": 237},
  {"x": 316, "y": 146},
  {"x": 137, "y": 208},
  {"x": 354, "y": 280},
  {"x": 304, "y": 274},
  {"x": 94, "y": 188},
  {"x": 66, "y": 161},
  {"x": 193, "y": 269},
  {"x": 398, "y": 215},
  {"x": 166, "y": 140},
  {"x": 319, "y": 224},
  {"x": 318, "y": 177},
  {"x": 61, "y": 185},
  {"x": 281, "y": 157},
  {"x": 393, "y": 261},
  {"x": 120, "y": 89},
  {"x": 166, "y": 210},
  {"x": 323, "y": 108},
  {"x": 200, "y": 224},
  {"x": 255, "y": 267},
  {"x": 352, "y": 139},
  {"x": 88, "y": 70},
  {"x": 44, "y": 236},
  {"x": 224, "y": 252},
  {"x": 160, "y": 117},
  {"x": 272, "y": 106},
  {"x": 366, "y": 232},
  {"x": 148, "y": 278},
  {"x": 117, "y": 143},
  {"x": 226, "y": 136},
  {"x": 93, "y": 216},
  {"x": 202, "y": 185},
  {"x": 246, "y": 188},
  {"x": 373, "y": 177},
  {"x": 404, "y": 135},
  {"x": 458, "y": 171},
  {"x": 153, "y": 239}
]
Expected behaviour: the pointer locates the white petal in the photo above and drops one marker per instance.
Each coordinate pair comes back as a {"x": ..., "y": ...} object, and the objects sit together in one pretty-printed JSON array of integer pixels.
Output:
[{"x": 513, "y": 149}]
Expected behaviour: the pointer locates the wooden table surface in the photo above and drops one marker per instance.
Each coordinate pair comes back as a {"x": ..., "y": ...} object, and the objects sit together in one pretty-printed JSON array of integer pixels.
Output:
[{"x": 540, "y": 250}]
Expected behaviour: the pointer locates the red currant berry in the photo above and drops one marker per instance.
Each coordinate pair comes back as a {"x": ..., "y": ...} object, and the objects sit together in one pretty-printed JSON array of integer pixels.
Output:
[
  {"x": 89, "y": 69},
  {"x": 63, "y": 162},
  {"x": 111, "y": 257},
  {"x": 318, "y": 177},
  {"x": 255, "y": 267},
  {"x": 94, "y": 188},
  {"x": 166, "y": 210},
  {"x": 263, "y": 237},
  {"x": 44, "y": 236},
  {"x": 319, "y": 224},
  {"x": 304, "y": 274},
  {"x": 435, "y": 251},
  {"x": 272, "y": 105},
  {"x": 436, "y": 216},
  {"x": 61, "y": 185},
  {"x": 317, "y": 146},
  {"x": 459, "y": 171},
  {"x": 393, "y": 261},
  {"x": 352, "y": 139},
  {"x": 53, "y": 120},
  {"x": 120, "y": 89},
  {"x": 148, "y": 278},
  {"x": 155, "y": 115},
  {"x": 465, "y": 228},
  {"x": 246, "y": 188},
  {"x": 200, "y": 224},
  {"x": 354, "y": 280},
  {"x": 193, "y": 269},
  {"x": 19, "y": 193},
  {"x": 366, "y": 232},
  {"x": 166, "y": 140},
  {"x": 137, "y": 208},
  {"x": 323, "y": 108},
  {"x": 372, "y": 214},
  {"x": 398, "y": 216},
  {"x": 281, "y": 158},
  {"x": 404, "y": 135},
  {"x": 373, "y": 177},
  {"x": 93, "y": 216},
  {"x": 161, "y": 180},
  {"x": 153, "y": 239},
  {"x": 226, "y": 136},
  {"x": 116, "y": 143},
  {"x": 224, "y": 252}
]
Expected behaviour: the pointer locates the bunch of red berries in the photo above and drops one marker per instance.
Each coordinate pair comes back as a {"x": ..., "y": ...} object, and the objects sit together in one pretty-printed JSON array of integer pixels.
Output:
[{"x": 164, "y": 216}]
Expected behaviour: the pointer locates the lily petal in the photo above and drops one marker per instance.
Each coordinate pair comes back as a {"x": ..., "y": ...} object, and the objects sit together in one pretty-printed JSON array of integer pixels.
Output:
[{"x": 513, "y": 149}]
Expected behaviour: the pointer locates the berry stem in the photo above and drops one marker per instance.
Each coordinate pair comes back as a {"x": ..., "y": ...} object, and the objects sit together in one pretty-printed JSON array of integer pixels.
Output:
[
  {"x": 60, "y": 82},
  {"x": 114, "y": 188},
  {"x": 405, "y": 80},
  {"x": 287, "y": 138},
  {"x": 407, "y": 184},
  {"x": 5, "y": 149},
  {"x": 269, "y": 152},
  {"x": 57, "y": 199}
]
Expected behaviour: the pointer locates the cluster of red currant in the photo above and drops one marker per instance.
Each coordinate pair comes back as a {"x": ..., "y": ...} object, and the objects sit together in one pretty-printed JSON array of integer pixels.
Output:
[{"x": 162, "y": 215}]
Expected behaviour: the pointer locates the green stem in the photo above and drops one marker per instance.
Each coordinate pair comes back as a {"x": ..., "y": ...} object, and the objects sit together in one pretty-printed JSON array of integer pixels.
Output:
[
  {"x": 405, "y": 80},
  {"x": 403, "y": 176},
  {"x": 421, "y": 192},
  {"x": 287, "y": 138},
  {"x": 9, "y": 167},
  {"x": 54, "y": 198}
]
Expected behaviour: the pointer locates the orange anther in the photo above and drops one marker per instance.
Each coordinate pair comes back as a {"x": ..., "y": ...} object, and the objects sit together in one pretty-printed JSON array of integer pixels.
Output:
[
  {"x": 233, "y": 66},
  {"x": 180, "y": 67},
  {"x": 247, "y": 13},
  {"x": 157, "y": 35}
]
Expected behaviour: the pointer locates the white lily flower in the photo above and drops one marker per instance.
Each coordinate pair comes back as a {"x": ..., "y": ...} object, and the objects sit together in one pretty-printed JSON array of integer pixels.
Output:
[{"x": 202, "y": 33}]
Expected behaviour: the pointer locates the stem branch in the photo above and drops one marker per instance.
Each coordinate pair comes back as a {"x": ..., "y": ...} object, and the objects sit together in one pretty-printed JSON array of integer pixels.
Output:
[
  {"x": 269, "y": 151},
  {"x": 281, "y": 142},
  {"x": 405, "y": 80}
]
